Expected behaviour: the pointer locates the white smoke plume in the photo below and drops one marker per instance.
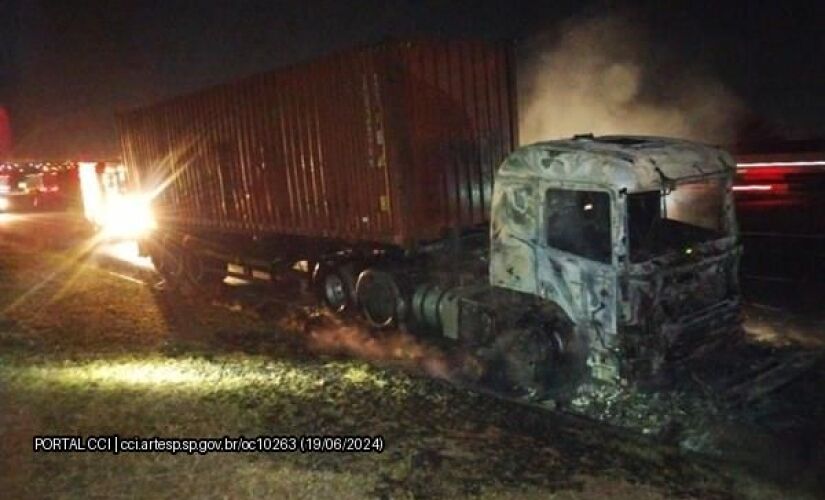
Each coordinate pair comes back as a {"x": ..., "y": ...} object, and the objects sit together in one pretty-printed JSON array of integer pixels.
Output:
[
  {"x": 602, "y": 75},
  {"x": 327, "y": 334}
]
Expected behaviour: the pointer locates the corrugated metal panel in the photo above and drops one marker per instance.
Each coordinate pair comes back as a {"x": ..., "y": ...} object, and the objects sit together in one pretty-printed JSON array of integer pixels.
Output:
[
  {"x": 390, "y": 144},
  {"x": 460, "y": 121}
]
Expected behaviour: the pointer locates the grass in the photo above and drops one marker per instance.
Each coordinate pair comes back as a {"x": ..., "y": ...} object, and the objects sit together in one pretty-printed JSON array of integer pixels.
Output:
[
  {"x": 430, "y": 433},
  {"x": 93, "y": 354}
]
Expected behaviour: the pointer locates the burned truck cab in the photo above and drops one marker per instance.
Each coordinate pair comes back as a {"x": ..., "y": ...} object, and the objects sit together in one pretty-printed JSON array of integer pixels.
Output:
[{"x": 633, "y": 239}]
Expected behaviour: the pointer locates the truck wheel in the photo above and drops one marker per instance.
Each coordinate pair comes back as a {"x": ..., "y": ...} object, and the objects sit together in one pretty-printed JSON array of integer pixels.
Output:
[
  {"x": 334, "y": 292},
  {"x": 203, "y": 271},
  {"x": 167, "y": 261},
  {"x": 380, "y": 299},
  {"x": 334, "y": 285},
  {"x": 540, "y": 361}
]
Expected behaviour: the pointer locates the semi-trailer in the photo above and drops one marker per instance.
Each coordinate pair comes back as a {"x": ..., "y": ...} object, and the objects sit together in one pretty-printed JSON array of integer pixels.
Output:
[{"x": 390, "y": 176}]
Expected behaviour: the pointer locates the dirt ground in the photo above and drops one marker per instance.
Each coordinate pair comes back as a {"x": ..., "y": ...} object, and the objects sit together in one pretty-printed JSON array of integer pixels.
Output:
[{"x": 91, "y": 347}]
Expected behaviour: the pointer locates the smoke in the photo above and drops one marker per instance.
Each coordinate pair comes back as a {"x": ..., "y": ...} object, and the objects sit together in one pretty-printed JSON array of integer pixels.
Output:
[
  {"x": 603, "y": 75},
  {"x": 329, "y": 335}
]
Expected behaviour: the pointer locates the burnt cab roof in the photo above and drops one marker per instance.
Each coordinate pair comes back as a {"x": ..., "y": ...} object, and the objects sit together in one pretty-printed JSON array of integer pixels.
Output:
[{"x": 634, "y": 163}]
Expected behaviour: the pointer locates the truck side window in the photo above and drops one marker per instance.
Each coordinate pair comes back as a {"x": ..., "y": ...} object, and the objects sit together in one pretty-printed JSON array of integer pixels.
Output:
[{"x": 579, "y": 222}]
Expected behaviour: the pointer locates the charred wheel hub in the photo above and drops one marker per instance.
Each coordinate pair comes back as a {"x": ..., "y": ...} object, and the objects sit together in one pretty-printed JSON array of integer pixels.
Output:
[{"x": 335, "y": 292}]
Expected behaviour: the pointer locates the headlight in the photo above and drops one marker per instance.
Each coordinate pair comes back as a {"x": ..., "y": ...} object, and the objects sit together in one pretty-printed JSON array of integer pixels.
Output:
[
  {"x": 127, "y": 217},
  {"x": 4, "y": 204}
]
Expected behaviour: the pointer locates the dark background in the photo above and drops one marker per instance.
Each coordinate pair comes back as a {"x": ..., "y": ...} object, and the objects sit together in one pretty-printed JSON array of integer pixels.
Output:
[{"x": 67, "y": 66}]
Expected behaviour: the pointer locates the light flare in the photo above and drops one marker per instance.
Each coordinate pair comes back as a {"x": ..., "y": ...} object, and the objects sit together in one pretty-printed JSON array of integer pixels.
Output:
[{"x": 127, "y": 216}]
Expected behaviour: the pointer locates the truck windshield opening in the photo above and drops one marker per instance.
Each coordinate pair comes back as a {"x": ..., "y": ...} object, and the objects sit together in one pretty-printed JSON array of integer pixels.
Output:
[{"x": 659, "y": 222}]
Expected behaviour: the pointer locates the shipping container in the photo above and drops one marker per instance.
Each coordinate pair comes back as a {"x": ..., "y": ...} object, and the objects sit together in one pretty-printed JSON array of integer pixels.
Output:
[{"x": 393, "y": 144}]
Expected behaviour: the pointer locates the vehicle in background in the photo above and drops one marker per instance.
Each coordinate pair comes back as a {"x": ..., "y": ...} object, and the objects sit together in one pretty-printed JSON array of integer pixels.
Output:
[
  {"x": 390, "y": 179},
  {"x": 100, "y": 189},
  {"x": 111, "y": 203},
  {"x": 29, "y": 185},
  {"x": 780, "y": 187},
  {"x": 780, "y": 198}
]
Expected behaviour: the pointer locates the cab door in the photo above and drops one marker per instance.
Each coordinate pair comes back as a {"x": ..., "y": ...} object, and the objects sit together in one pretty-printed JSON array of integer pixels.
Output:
[
  {"x": 575, "y": 259},
  {"x": 515, "y": 230}
]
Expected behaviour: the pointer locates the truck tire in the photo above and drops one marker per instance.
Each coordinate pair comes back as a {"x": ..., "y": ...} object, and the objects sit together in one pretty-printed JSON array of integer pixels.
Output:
[
  {"x": 334, "y": 285},
  {"x": 332, "y": 289},
  {"x": 380, "y": 299},
  {"x": 540, "y": 359}
]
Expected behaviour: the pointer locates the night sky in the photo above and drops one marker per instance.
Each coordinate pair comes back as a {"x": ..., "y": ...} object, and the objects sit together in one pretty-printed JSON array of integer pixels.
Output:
[{"x": 67, "y": 66}]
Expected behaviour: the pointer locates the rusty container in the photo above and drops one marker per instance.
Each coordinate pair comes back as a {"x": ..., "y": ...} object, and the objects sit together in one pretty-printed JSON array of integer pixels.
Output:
[{"x": 389, "y": 144}]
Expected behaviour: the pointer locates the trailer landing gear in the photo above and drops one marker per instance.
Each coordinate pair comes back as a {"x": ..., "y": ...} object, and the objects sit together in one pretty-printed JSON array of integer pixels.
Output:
[{"x": 179, "y": 265}]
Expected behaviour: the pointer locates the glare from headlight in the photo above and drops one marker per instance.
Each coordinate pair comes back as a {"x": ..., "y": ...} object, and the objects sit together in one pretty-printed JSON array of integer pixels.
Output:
[
  {"x": 4, "y": 204},
  {"x": 127, "y": 216}
]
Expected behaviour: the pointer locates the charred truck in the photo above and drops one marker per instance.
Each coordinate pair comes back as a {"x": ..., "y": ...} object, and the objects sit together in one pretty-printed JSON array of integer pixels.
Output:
[{"x": 390, "y": 177}]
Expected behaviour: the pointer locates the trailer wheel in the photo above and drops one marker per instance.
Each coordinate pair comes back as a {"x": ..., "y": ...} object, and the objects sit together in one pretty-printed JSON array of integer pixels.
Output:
[
  {"x": 168, "y": 262},
  {"x": 203, "y": 271},
  {"x": 380, "y": 298}
]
